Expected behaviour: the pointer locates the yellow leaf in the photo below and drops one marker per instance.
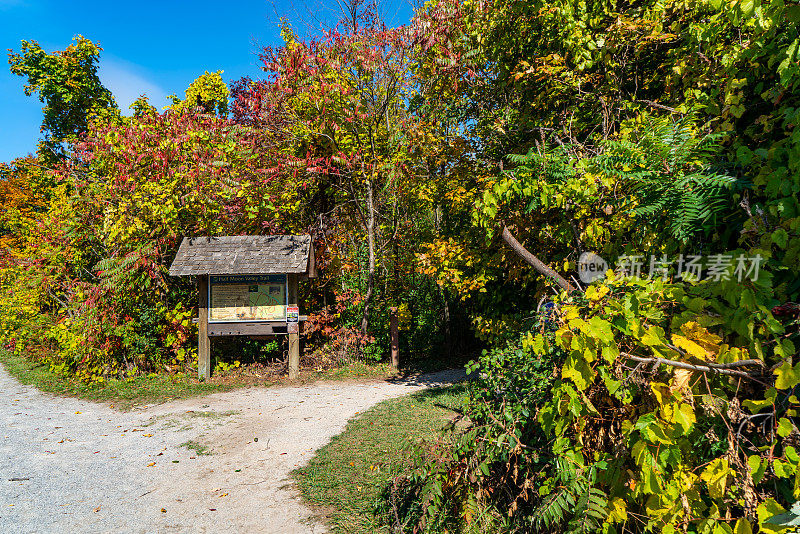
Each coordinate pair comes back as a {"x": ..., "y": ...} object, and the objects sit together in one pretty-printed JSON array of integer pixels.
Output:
[
  {"x": 710, "y": 342},
  {"x": 618, "y": 513},
  {"x": 690, "y": 347},
  {"x": 596, "y": 293},
  {"x": 151, "y": 464},
  {"x": 716, "y": 477}
]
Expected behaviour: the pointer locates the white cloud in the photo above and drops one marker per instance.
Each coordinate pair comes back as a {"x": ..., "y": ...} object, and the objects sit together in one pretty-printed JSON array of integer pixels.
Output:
[{"x": 127, "y": 82}]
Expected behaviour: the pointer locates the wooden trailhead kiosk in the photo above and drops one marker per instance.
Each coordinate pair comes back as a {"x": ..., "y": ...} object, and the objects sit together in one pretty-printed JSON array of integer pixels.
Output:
[{"x": 247, "y": 286}]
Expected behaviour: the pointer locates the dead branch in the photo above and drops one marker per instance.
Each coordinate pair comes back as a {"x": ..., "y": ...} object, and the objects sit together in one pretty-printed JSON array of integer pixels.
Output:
[
  {"x": 535, "y": 262},
  {"x": 723, "y": 369}
]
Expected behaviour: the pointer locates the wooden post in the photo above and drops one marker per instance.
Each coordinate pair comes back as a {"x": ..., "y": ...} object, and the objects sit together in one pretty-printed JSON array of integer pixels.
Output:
[
  {"x": 203, "y": 342},
  {"x": 294, "y": 338},
  {"x": 395, "y": 337}
]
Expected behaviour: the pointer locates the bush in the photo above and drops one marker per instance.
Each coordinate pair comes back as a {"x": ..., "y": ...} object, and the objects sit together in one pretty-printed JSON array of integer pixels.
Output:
[{"x": 585, "y": 425}]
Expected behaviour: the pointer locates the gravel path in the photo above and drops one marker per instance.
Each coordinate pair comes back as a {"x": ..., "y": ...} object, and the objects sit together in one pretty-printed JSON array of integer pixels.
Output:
[{"x": 68, "y": 465}]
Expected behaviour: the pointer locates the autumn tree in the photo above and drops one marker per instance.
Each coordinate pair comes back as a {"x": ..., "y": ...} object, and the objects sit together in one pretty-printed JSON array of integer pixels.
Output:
[
  {"x": 208, "y": 92},
  {"x": 68, "y": 85},
  {"x": 343, "y": 98}
]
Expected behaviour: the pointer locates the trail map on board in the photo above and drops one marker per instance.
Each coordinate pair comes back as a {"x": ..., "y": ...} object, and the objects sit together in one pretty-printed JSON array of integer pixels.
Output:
[{"x": 248, "y": 298}]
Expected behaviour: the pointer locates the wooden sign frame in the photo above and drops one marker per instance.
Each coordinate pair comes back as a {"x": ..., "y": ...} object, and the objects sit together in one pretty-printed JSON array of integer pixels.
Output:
[{"x": 208, "y": 329}]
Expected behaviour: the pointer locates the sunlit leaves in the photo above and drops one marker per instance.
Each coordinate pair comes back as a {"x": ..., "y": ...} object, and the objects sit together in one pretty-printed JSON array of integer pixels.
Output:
[{"x": 67, "y": 83}]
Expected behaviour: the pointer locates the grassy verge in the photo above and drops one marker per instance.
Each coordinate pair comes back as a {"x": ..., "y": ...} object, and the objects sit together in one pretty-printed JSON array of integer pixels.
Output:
[
  {"x": 155, "y": 388},
  {"x": 124, "y": 394},
  {"x": 346, "y": 477}
]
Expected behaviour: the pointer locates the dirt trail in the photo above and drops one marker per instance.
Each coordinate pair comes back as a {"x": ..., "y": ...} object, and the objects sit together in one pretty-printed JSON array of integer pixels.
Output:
[{"x": 68, "y": 465}]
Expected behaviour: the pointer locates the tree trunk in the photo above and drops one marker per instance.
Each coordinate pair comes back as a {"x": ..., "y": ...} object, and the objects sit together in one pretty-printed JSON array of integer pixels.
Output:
[
  {"x": 535, "y": 262},
  {"x": 448, "y": 338},
  {"x": 371, "y": 267}
]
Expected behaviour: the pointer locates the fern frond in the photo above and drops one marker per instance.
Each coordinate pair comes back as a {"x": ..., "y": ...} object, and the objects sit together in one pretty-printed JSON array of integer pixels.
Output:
[{"x": 670, "y": 173}]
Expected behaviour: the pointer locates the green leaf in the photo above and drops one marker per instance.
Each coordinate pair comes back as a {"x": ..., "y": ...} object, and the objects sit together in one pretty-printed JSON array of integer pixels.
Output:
[
  {"x": 716, "y": 477},
  {"x": 787, "y": 376},
  {"x": 742, "y": 527},
  {"x": 757, "y": 467},
  {"x": 784, "y": 427},
  {"x": 577, "y": 369},
  {"x": 780, "y": 238}
]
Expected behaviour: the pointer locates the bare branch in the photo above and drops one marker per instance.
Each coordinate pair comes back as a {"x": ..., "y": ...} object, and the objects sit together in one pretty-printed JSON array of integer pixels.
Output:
[
  {"x": 723, "y": 369},
  {"x": 535, "y": 262}
]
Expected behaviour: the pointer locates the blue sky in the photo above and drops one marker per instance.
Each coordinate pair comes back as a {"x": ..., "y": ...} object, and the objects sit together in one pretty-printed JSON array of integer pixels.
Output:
[{"x": 152, "y": 47}]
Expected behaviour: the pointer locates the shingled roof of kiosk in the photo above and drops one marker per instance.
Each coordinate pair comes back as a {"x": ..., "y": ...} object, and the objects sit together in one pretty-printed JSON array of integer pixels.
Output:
[{"x": 245, "y": 254}]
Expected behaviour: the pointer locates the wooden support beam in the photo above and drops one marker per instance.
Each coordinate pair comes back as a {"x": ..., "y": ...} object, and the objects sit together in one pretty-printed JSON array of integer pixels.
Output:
[
  {"x": 203, "y": 341},
  {"x": 265, "y": 328},
  {"x": 395, "y": 337},
  {"x": 294, "y": 338}
]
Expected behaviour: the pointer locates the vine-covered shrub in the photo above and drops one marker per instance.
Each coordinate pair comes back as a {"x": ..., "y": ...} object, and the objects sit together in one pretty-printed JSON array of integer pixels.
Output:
[{"x": 639, "y": 406}]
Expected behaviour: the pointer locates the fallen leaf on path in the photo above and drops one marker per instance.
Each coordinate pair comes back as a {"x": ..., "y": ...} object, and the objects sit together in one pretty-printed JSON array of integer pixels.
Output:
[
  {"x": 224, "y": 495},
  {"x": 151, "y": 464},
  {"x": 163, "y": 510},
  {"x": 97, "y": 509},
  {"x": 147, "y": 435},
  {"x": 77, "y": 412}
]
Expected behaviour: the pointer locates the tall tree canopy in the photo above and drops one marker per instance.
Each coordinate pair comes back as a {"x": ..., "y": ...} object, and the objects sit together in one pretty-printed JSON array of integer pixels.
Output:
[{"x": 68, "y": 85}]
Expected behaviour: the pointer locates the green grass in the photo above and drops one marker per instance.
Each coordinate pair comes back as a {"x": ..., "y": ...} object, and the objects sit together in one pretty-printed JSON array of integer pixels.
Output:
[
  {"x": 198, "y": 448},
  {"x": 155, "y": 388},
  {"x": 124, "y": 394},
  {"x": 346, "y": 477}
]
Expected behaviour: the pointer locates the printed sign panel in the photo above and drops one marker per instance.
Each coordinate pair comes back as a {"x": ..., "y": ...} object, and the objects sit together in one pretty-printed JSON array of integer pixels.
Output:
[
  {"x": 292, "y": 314},
  {"x": 247, "y": 297}
]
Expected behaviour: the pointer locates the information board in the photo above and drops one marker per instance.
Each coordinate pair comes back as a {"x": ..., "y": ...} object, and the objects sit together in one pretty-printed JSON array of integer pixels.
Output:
[{"x": 247, "y": 297}]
